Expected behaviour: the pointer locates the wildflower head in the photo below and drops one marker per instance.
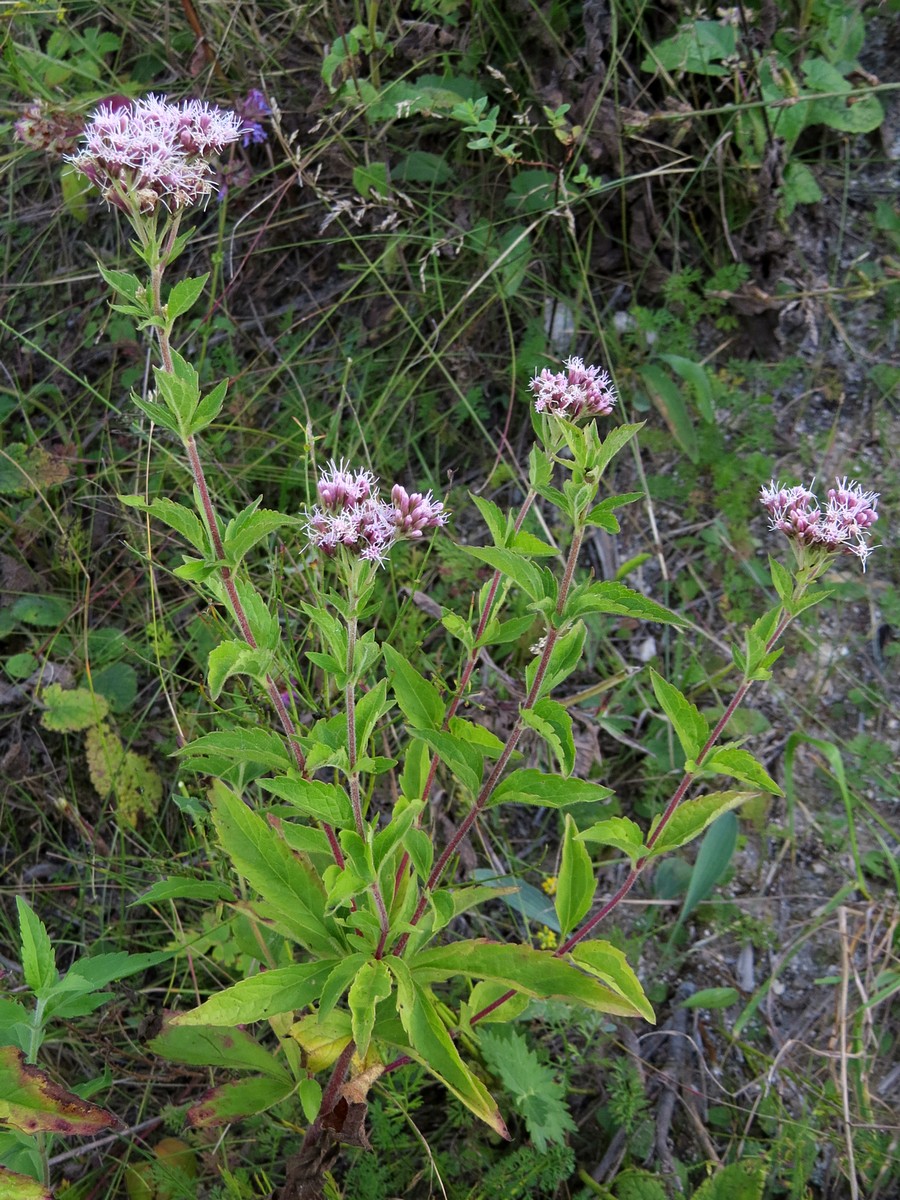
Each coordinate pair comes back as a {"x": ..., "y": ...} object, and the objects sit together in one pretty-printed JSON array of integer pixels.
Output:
[
  {"x": 252, "y": 109},
  {"x": 578, "y": 391},
  {"x": 841, "y": 527},
  {"x": 52, "y": 130},
  {"x": 352, "y": 514},
  {"x": 148, "y": 152}
]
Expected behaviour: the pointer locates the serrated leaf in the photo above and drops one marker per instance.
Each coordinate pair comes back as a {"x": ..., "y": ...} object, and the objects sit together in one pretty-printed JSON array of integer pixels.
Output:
[
  {"x": 240, "y": 1098},
  {"x": 465, "y": 760},
  {"x": 322, "y": 801},
  {"x": 619, "y": 600},
  {"x": 176, "y": 516},
  {"x": 619, "y": 832},
  {"x": 212, "y": 1046},
  {"x": 185, "y": 888},
  {"x": 693, "y": 816},
  {"x": 535, "y": 1090},
  {"x": 565, "y": 657},
  {"x": 248, "y": 528},
  {"x": 72, "y": 709},
  {"x": 38, "y": 959},
  {"x": 235, "y": 658},
  {"x": 419, "y": 700},
  {"x": 495, "y": 519},
  {"x": 184, "y": 295},
  {"x": 740, "y": 764},
  {"x": 371, "y": 985},
  {"x": 209, "y": 408},
  {"x": 289, "y": 884},
  {"x": 553, "y": 722},
  {"x": 31, "y": 1102},
  {"x": 536, "y": 973},
  {"x": 745, "y": 1180},
  {"x": 284, "y": 989},
  {"x": 122, "y": 282},
  {"x": 529, "y": 786},
  {"x": 240, "y": 746},
  {"x": 611, "y": 966},
  {"x": 575, "y": 882},
  {"x": 688, "y": 722},
  {"x": 514, "y": 566}
]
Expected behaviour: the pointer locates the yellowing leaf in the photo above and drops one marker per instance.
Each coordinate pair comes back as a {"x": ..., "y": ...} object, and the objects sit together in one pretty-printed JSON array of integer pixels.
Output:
[
  {"x": 68, "y": 710},
  {"x": 31, "y": 1102},
  {"x": 131, "y": 779}
]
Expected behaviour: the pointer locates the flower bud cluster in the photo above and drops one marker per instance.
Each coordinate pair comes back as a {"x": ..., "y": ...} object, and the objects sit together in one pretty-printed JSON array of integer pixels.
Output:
[
  {"x": 150, "y": 152},
  {"x": 841, "y": 527},
  {"x": 52, "y": 130},
  {"x": 351, "y": 513},
  {"x": 579, "y": 391}
]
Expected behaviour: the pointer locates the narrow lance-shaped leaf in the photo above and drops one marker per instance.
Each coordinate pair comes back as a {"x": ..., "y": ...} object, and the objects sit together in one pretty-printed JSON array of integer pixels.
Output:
[
  {"x": 240, "y": 1098},
  {"x": 38, "y": 959},
  {"x": 212, "y": 1046},
  {"x": 693, "y": 816},
  {"x": 575, "y": 885},
  {"x": 282, "y": 990},
  {"x": 688, "y": 722},
  {"x": 419, "y": 700},
  {"x": 31, "y": 1102},
  {"x": 372, "y": 984}
]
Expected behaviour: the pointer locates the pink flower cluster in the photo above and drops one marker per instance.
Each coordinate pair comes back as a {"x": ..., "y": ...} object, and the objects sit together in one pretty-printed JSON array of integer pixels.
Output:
[
  {"x": 579, "y": 391},
  {"x": 351, "y": 513},
  {"x": 148, "y": 151},
  {"x": 842, "y": 526}
]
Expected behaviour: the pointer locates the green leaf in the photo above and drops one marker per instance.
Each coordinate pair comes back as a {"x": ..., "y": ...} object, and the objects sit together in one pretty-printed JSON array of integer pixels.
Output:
[
  {"x": 285, "y": 881},
  {"x": 554, "y": 724},
  {"x": 31, "y": 1102},
  {"x": 464, "y": 759},
  {"x": 282, "y": 990},
  {"x": 21, "y": 1187},
  {"x": 575, "y": 883},
  {"x": 123, "y": 283},
  {"x": 118, "y": 682},
  {"x": 370, "y": 707},
  {"x": 431, "y": 1045},
  {"x": 184, "y": 295},
  {"x": 338, "y": 982},
  {"x": 693, "y": 816},
  {"x": 611, "y": 966},
  {"x": 322, "y": 801},
  {"x": 536, "y": 973},
  {"x": 620, "y": 600},
  {"x": 619, "y": 832},
  {"x": 38, "y": 959},
  {"x": 667, "y": 397},
  {"x": 712, "y": 862},
  {"x": 529, "y": 786},
  {"x": 496, "y": 520},
  {"x": 715, "y": 997},
  {"x": 745, "y": 1180},
  {"x": 257, "y": 746},
  {"x": 249, "y": 527},
  {"x": 97, "y": 970},
  {"x": 211, "y": 1046},
  {"x": 236, "y": 658},
  {"x": 176, "y": 887},
  {"x": 565, "y": 656},
  {"x": 72, "y": 709},
  {"x": 176, "y": 516},
  {"x": 513, "y": 565},
  {"x": 740, "y": 764},
  {"x": 180, "y": 389},
  {"x": 75, "y": 190},
  {"x": 537, "y": 1094},
  {"x": 240, "y": 1098},
  {"x": 44, "y": 611},
  {"x": 689, "y": 724},
  {"x": 524, "y": 898},
  {"x": 371, "y": 985},
  {"x": 419, "y": 700},
  {"x": 208, "y": 408},
  {"x": 697, "y": 376}
]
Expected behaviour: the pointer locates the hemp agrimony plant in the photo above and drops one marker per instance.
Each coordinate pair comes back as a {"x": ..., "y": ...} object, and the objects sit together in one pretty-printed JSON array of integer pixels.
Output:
[{"x": 352, "y": 896}]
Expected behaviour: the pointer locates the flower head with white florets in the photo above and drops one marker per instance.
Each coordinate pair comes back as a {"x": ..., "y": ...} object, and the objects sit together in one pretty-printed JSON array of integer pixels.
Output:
[
  {"x": 841, "y": 527},
  {"x": 579, "y": 391},
  {"x": 351, "y": 514}
]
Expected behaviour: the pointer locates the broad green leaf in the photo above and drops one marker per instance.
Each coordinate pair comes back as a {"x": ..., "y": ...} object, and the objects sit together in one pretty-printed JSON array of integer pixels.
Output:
[
  {"x": 464, "y": 759},
  {"x": 744, "y": 1180},
  {"x": 176, "y": 887},
  {"x": 782, "y": 580},
  {"x": 338, "y": 982},
  {"x": 712, "y": 862},
  {"x": 38, "y": 959},
  {"x": 688, "y": 722},
  {"x": 525, "y": 898},
  {"x": 157, "y": 413},
  {"x": 370, "y": 707},
  {"x": 619, "y": 600},
  {"x": 372, "y": 984},
  {"x": 21, "y": 1187},
  {"x": 554, "y": 724},
  {"x": 483, "y": 995},
  {"x": 211, "y": 1046},
  {"x": 619, "y": 832},
  {"x": 565, "y": 657},
  {"x": 575, "y": 883},
  {"x": 529, "y": 786},
  {"x": 97, "y": 970},
  {"x": 289, "y": 884},
  {"x": 611, "y": 966},
  {"x": 240, "y": 746},
  {"x": 515, "y": 566},
  {"x": 667, "y": 397},
  {"x": 322, "y": 1038},
  {"x": 72, "y": 709},
  {"x": 419, "y": 700},
  {"x": 118, "y": 683},
  {"x": 236, "y": 658},
  {"x": 693, "y": 816},
  {"x": 208, "y": 408},
  {"x": 249, "y": 527},
  {"x": 281, "y": 990},
  {"x": 180, "y": 389},
  {"x": 616, "y": 439},
  {"x": 31, "y": 1102},
  {"x": 496, "y": 520},
  {"x": 184, "y": 295},
  {"x": 537, "y": 973},
  {"x": 697, "y": 376},
  {"x": 431, "y": 1045},
  {"x": 241, "y": 1098},
  {"x": 123, "y": 283},
  {"x": 322, "y": 801},
  {"x": 740, "y": 764},
  {"x": 602, "y": 514},
  {"x": 46, "y": 612},
  {"x": 499, "y": 633}
]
